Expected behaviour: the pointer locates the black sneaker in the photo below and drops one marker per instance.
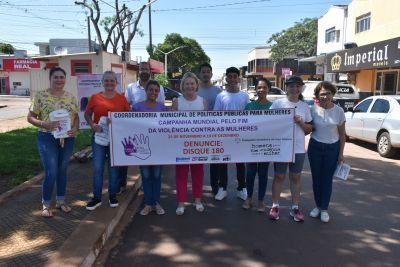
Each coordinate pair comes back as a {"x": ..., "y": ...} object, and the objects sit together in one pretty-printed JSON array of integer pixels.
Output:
[
  {"x": 93, "y": 204},
  {"x": 113, "y": 202}
]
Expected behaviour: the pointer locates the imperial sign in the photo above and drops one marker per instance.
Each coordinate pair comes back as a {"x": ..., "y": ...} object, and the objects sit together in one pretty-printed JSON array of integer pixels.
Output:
[{"x": 383, "y": 54}]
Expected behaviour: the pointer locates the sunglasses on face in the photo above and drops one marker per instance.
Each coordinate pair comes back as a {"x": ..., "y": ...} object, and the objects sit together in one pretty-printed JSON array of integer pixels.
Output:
[{"x": 109, "y": 81}]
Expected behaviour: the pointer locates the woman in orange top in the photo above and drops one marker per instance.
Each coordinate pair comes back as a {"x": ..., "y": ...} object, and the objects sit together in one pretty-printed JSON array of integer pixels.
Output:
[{"x": 98, "y": 107}]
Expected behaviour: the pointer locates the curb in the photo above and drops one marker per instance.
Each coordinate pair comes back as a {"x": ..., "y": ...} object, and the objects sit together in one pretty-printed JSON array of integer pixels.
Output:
[
  {"x": 83, "y": 246},
  {"x": 21, "y": 188},
  {"x": 36, "y": 179}
]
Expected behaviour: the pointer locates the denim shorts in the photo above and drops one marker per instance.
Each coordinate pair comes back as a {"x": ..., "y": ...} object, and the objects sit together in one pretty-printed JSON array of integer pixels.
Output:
[{"x": 294, "y": 167}]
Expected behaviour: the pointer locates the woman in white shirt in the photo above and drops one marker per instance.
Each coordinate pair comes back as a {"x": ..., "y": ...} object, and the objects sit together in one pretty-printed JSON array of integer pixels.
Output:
[
  {"x": 302, "y": 120},
  {"x": 325, "y": 149},
  {"x": 189, "y": 101}
]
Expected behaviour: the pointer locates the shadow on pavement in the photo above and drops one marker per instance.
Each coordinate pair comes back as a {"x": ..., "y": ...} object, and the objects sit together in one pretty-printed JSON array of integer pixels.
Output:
[{"x": 364, "y": 228}]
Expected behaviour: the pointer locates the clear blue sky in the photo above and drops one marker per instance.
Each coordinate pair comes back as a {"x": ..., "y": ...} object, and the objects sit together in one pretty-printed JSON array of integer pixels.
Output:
[{"x": 226, "y": 29}]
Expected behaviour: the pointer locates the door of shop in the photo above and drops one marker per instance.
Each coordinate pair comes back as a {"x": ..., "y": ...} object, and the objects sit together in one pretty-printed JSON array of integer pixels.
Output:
[
  {"x": 387, "y": 83},
  {"x": 4, "y": 86}
]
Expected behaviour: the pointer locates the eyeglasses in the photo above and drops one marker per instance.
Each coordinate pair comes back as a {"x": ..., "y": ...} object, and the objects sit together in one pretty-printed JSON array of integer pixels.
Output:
[{"x": 109, "y": 81}]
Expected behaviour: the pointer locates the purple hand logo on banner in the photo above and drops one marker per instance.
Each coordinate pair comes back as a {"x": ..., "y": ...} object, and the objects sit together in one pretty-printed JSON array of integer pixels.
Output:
[{"x": 138, "y": 146}]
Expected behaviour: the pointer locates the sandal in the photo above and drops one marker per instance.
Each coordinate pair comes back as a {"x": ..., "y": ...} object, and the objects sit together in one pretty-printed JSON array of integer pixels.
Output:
[
  {"x": 146, "y": 210},
  {"x": 199, "y": 206},
  {"x": 63, "y": 207},
  {"x": 159, "y": 210},
  {"x": 46, "y": 212},
  {"x": 261, "y": 206},
  {"x": 247, "y": 204}
]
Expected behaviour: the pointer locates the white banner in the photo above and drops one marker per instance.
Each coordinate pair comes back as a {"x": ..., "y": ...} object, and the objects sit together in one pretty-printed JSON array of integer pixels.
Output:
[
  {"x": 88, "y": 85},
  {"x": 149, "y": 138}
]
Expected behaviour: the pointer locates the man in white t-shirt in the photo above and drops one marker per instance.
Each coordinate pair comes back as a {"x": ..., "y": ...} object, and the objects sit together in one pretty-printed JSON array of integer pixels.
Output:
[
  {"x": 135, "y": 92},
  {"x": 231, "y": 99}
]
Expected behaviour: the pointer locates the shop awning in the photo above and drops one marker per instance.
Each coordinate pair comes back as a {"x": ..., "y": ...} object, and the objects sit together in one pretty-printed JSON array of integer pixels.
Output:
[{"x": 317, "y": 59}]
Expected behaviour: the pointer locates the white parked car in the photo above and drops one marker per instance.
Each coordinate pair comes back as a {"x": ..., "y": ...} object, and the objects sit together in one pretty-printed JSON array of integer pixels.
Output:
[
  {"x": 273, "y": 94},
  {"x": 376, "y": 120},
  {"x": 347, "y": 95}
]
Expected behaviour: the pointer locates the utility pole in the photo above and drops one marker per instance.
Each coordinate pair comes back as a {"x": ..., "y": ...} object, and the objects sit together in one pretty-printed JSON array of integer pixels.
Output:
[
  {"x": 88, "y": 27},
  {"x": 150, "y": 32},
  {"x": 166, "y": 58}
]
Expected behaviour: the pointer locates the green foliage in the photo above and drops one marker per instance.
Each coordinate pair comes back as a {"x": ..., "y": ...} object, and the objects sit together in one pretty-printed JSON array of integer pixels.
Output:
[
  {"x": 184, "y": 59},
  {"x": 161, "y": 79},
  {"x": 20, "y": 159},
  {"x": 299, "y": 40},
  {"x": 6, "y": 48}
]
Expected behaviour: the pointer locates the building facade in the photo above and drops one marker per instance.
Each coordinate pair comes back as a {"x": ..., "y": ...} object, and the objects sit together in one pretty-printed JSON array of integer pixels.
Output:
[{"x": 367, "y": 50}]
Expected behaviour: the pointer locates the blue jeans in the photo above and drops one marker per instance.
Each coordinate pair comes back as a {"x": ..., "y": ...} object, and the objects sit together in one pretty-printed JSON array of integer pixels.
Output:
[
  {"x": 151, "y": 181},
  {"x": 323, "y": 161},
  {"x": 101, "y": 154},
  {"x": 261, "y": 169},
  {"x": 55, "y": 160}
]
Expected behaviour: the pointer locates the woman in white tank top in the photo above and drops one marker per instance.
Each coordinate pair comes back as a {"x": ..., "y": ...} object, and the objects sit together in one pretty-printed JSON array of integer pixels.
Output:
[{"x": 189, "y": 101}]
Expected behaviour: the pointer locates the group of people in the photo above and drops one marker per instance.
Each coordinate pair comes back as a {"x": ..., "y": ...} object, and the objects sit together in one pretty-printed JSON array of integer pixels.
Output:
[{"x": 325, "y": 121}]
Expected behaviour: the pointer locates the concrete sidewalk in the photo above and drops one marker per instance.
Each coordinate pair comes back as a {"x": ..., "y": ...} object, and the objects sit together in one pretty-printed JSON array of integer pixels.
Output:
[{"x": 67, "y": 239}]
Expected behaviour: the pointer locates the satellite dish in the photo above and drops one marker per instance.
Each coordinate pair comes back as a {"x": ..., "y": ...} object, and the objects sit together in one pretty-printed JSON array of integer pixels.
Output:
[{"x": 60, "y": 50}]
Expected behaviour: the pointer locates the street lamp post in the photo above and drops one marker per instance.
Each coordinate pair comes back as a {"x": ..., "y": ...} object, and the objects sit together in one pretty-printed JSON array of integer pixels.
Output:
[{"x": 166, "y": 57}]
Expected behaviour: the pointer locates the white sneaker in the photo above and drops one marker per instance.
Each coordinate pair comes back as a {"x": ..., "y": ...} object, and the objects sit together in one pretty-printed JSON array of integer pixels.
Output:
[
  {"x": 180, "y": 210},
  {"x": 242, "y": 194},
  {"x": 324, "y": 216},
  {"x": 315, "y": 212},
  {"x": 221, "y": 194}
]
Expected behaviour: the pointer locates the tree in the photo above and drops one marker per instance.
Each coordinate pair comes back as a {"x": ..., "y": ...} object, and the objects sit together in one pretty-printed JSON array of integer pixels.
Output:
[
  {"x": 161, "y": 79},
  {"x": 187, "y": 58},
  {"x": 114, "y": 26},
  {"x": 299, "y": 40},
  {"x": 6, "y": 48}
]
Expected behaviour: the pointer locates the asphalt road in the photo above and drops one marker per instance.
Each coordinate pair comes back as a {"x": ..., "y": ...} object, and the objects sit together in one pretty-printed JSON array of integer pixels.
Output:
[
  {"x": 364, "y": 229},
  {"x": 12, "y": 107}
]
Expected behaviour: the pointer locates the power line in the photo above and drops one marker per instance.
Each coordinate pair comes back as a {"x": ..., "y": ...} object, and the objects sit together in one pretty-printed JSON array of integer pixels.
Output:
[{"x": 211, "y": 6}]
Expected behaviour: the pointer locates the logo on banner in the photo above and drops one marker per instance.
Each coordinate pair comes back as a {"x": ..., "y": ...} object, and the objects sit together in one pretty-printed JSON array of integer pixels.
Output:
[
  {"x": 215, "y": 158},
  {"x": 182, "y": 159},
  {"x": 137, "y": 146},
  {"x": 226, "y": 158},
  {"x": 199, "y": 158}
]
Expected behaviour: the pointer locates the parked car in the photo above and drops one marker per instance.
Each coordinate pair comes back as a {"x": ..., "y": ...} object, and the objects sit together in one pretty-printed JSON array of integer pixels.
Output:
[
  {"x": 376, "y": 120},
  {"x": 347, "y": 95},
  {"x": 171, "y": 93},
  {"x": 273, "y": 94}
]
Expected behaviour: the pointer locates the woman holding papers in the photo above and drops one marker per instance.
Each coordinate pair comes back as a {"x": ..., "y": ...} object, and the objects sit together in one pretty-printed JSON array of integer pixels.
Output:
[
  {"x": 96, "y": 115},
  {"x": 189, "y": 101},
  {"x": 151, "y": 175},
  {"x": 302, "y": 121},
  {"x": 260, "y": 168},
  {"x": 325, "y": 149},
  {"x": 54, "y": 151}
]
